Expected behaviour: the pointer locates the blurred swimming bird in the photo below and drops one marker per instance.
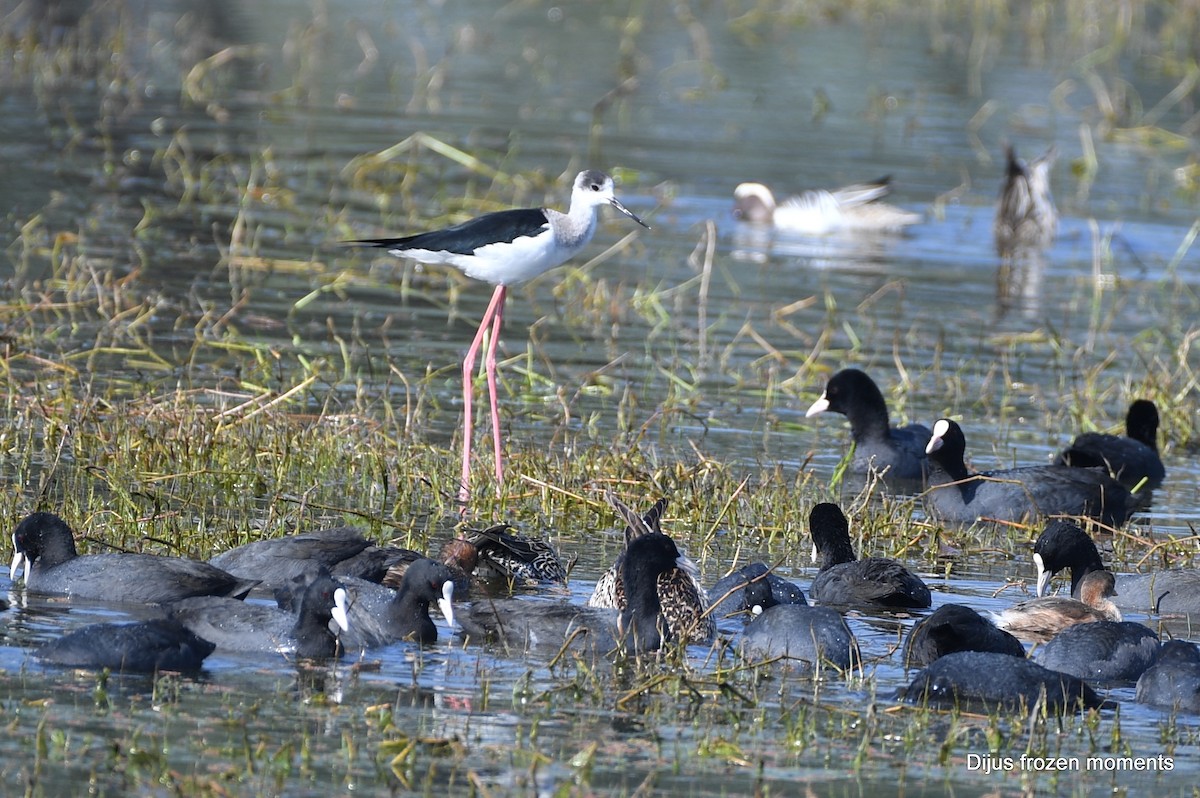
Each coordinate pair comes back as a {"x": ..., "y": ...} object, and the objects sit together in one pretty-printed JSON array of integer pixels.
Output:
[
  {"x": 1173, "y": 682},
  {"x": 147, "y": 646},
  {"x": 817, "y": 212},
  {"x": 1025, "y": 214}
]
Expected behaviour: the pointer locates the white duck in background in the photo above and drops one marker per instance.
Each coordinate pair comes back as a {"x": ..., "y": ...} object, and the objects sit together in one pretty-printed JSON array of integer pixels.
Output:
[{"x": 818, "y": 212}]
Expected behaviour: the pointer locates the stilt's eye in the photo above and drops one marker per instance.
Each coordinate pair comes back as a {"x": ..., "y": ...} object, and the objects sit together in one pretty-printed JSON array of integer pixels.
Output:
[{"x": 596, "y": 186}]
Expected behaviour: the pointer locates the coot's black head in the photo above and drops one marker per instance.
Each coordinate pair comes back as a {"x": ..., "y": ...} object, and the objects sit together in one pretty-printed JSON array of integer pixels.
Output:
[
  {"x": 44, "y": 538},
  {"x": 831, "y": 535},
  {"x": 948, "y": 446},
  {"x": 321, "y": 599},
  {"x": 1064, "y": 545},
  {"x": 1141, "y": 422},
  {"x": 849, "y": 390},
  {"x": 430, "y": 581}
]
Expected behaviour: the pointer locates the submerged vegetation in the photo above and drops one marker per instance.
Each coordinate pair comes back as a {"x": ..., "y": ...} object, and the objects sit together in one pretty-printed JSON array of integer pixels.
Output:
[{"x": 190, "y": 361}]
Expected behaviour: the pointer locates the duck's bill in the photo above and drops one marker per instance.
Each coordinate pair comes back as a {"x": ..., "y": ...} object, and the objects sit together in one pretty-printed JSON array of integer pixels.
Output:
[
  {"x": 446, "y": 602},
  {"x": 341, "y": 607},
  {"x": 18, "y": 565},
  {"x": 616, "y": 203}
]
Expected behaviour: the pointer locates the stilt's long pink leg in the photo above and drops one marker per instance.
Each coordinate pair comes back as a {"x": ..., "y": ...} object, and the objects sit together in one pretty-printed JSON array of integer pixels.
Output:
[
  {"x": 495, "y": 308},
  {"x": 489, "y": 366}
]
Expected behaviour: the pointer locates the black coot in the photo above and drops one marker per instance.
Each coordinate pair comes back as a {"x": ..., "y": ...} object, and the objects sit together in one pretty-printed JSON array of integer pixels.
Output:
[
  {"x": 1015, "y": 494},
  {"x": 874, "y": 582},
  {"x": 954, "y": 627},
  {"x": 753, "y": 585},
  {"x": 378, "y": 616},
  {"x": 898, "y": 453},
  {"x": 45, "y": 547},
  {"x": 1106, "y": 651},
  {"x": 343, "y": 551},
  {"x": 1131, "y": 458},
  {"x": 1174, "y": 679},
  {"x": 143, "y": 647},
  {"x": 1063, "y": 545},
  {"x": 813, "y": 635},
  {"x": 241, "y": 626},
  {"x": 986, "y": 680},
  {"x": 661, "y": 602},
  {"x": 522, "y": 625}
]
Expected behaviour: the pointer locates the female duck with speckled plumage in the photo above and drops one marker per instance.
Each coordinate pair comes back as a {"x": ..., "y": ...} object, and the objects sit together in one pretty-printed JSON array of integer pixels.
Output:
[{"x": 683, "y": 600}]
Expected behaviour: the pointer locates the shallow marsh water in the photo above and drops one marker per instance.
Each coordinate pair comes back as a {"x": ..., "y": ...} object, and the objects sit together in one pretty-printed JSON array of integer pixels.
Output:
[{"x": 215, "y": 211}]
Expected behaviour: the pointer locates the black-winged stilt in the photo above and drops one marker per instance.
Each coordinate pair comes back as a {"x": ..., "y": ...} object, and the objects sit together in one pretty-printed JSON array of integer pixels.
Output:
[{"x": 505, "y": 248}]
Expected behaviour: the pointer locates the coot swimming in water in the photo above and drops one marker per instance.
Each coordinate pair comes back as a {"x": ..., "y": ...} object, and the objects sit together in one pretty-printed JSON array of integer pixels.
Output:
[
  {"x": 814, "y": 635},
  {"x": 954, "y": 627},
  {"x": 523, "y": 625},
  {"x": 1109, "y": 651},
  {"x": 1131, "y": 458},
  {"x": 898, "y": 453},
  {"x": 986, "y": 680},
  {"x": 241, "y": 626},
  {"x": 1015, "y": 494},
  {"x": 661, "y": 604},
  {"x": 378, "y": 615},
  {"x": 751, "y": 586},
  {"x": 874, "y": 582},
  {"x": 143, "y": 647},
  {"x": 343, "y": 551},
  {"x": 1174, "y": 679},
  {"x": 45, "y": 547}
]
